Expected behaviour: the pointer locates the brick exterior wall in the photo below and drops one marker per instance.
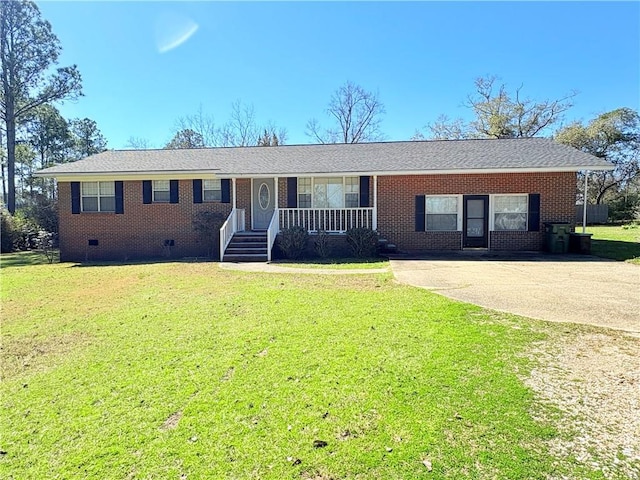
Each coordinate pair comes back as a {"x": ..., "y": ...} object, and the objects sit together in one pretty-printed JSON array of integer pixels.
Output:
[
  {"x": 138, "y": 233},
  {"x": 141, "y": 231},
  {"x": 396, "y": 206}
]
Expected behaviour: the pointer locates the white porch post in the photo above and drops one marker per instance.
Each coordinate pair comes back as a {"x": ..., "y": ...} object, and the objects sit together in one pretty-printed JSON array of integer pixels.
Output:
[
  {"x": 374, "y": 220},
  {"x": 584, "y": 202},
  {"x": 233, "y": 180}
]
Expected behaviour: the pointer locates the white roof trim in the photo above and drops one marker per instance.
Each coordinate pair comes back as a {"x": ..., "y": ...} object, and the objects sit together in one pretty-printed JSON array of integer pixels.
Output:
[{"x": 209, "y": 174}]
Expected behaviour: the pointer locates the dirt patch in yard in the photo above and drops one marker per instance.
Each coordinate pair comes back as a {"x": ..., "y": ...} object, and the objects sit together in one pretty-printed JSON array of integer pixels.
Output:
[{"x": 593, "y": 379}]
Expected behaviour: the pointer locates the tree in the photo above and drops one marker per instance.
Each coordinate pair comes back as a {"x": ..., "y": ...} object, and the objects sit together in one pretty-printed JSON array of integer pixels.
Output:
[
  {"x": 185, "y": 139},
  {"x": 87, "y": 138},
  {"x": 613, "y": 136},
  {"x": 356, "y": 113},
  {"x": 201, "y": 124},
  {"x": 500, "y": 114},
  {"x": 241, "y": 130},
  {"x": 28, "y": 48},
  {"x": 137, "y": 143},
  {"x": 48, "y": 133}
]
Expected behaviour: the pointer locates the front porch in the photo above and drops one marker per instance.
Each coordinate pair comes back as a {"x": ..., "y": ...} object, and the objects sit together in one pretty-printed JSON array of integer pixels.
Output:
[
  {"x": 239, "y": 244},
  {"x": 271, "y": 204}
]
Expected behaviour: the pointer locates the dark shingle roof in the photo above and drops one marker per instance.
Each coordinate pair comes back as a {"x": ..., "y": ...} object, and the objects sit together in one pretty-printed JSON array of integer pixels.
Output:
[{"x": 450, "y": 156}]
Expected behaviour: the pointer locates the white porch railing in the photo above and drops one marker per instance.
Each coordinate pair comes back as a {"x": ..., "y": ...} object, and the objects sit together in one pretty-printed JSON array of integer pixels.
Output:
[
  {"x": 272, "y": 233},
  {"x": 334, "y": 220},
  {"x": 233, "y": 224}
]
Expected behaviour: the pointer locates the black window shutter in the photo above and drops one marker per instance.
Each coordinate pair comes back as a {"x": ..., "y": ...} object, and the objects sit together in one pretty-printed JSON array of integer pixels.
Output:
[
  {"x": 292, "y": 192},
  {"x": 173, "y": 191},
  {"x": 75, "y": 197},
  {"x": 146, "y": 191},
  {"x": 225, "y": 195},
  {"x": 119, "y": 187},
  {"x": 534, "y": 212},
  {"x": 420, "y": 213},
  {"x": 364, "y": 191},
  {"x": 197, "y": 191}
]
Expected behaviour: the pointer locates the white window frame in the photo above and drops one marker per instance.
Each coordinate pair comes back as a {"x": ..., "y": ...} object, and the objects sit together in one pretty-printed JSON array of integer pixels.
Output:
[
  {"x": 458, "y": 213},
  {"x": 97, "y": 196},
  {"x": 205, "y": 189},
  {"x": 312, "y": 193},
  {"x": 492, "y": 211},
  {"x": 154, "y": 183}
]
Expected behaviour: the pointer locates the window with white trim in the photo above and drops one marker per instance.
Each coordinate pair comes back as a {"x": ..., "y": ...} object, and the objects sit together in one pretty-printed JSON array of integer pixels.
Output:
[
  {"x": 510, "y": 212},
  {"x": 212, "y": 190},
  {"x": 442, "y": 213},
  {"x": 161, "y": 191},
  {"x": 98, "y": 196},
  {"x": 304, "y": 192},
  {"x": 328, "y": 192}
]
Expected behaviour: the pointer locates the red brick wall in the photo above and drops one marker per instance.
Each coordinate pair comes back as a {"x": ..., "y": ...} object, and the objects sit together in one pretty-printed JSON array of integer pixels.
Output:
[
  {"x": 138, "y": 233},
  {"x": 396, "y": 206}
]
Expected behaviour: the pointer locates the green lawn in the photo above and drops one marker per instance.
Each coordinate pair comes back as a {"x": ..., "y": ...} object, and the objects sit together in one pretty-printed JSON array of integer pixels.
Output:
[
  {"x": 184, "y": 370},
  {"x": 615, "y": 241}
]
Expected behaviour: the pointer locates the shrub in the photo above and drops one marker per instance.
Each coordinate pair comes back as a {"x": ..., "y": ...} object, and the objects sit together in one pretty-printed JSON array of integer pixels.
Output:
[
  {"x": 207, "y": 225},
  {"x": 363, "y": 242},
  {"x": 293, "y": 242},
  {"x": 47, "y": 242},
  {"x": 624, "y": 208},
  {"x": 321, "y": 244},
  {"x": 42, "y": 213},
  {"x": 7, "y": 231}
]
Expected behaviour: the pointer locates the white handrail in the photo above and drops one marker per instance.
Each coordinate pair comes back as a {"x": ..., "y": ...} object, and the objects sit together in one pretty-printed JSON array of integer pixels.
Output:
[
  {"x": 272, "y": 233},
  {"x": 334, "y": 220},
  {"x": 234, "y": 223}
]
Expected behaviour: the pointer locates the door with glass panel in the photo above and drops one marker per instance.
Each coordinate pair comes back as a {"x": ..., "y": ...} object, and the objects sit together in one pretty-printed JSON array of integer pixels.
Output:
[
  {"x": 263, "y": 201},
  {"x": 475, "y": 225}
]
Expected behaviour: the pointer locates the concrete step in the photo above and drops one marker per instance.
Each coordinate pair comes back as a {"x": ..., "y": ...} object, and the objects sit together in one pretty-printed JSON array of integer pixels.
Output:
[
  {"x": 262, "y": 250},
  {"x": 244, "y": 258}
]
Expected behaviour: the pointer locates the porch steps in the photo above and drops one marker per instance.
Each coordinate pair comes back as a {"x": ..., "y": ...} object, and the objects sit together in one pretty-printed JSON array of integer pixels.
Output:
[{"x": 247, "y": 247}]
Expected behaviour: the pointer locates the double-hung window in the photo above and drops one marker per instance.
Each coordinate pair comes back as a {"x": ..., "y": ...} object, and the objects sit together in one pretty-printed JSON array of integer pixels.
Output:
[
  {"x": 328, "y": 192},
  {"x": 212, "y": 190},
  {"x": 98, "y": 196},
  {"x": 442, "y": 213},
  {"x": 510, "y": 212},
  {"x": 161, "y": 191}
]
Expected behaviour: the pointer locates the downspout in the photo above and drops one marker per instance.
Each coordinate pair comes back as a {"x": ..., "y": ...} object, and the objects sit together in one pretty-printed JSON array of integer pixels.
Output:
[
  {"x": 233, "y": 181},
  {"x": 584, "y": 203}
]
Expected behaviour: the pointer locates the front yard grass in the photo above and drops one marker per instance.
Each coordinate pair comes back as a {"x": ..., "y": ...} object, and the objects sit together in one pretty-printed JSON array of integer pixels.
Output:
[
  {"x": 618, "y": 242},
  {"x": 184, "y": 370}
]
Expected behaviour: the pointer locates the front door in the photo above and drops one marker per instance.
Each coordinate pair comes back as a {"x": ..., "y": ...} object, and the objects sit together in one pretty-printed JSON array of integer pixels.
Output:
[
  {"x": 263, "y": 202},
  {"x": 476, "y": 221}
]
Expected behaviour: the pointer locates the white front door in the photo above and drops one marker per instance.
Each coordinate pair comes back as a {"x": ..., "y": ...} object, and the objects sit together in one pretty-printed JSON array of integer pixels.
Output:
[{"x": 263, "y": 202}]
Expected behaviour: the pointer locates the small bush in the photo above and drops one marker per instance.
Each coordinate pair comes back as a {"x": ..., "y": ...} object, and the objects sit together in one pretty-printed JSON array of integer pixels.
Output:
[
  {"x": 321, "y": 244},
  {"x": 207, "y": 225},
  {"x": 293, "y": 242},
  {"x": 41, "y": 212},
  {"x": 363, "y": 242},
  {"x": 7, "y": 231},
  {"x": 47, "y": 243}
]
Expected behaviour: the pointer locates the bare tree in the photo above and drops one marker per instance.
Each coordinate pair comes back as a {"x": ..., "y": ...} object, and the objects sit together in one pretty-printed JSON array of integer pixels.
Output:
[
  {"x": 500, "y": 114},
  {"x": 241, "y": 130},
  {"x": 138, "y": 143},
  {"x": 356, "y": 114},
  {"x": 203, "y": 125}
]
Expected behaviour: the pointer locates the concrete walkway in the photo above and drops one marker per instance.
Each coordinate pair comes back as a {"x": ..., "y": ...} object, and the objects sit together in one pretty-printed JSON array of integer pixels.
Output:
[
  {"x": 566, "y": 288},
  {"x": 274, "y": 268}
]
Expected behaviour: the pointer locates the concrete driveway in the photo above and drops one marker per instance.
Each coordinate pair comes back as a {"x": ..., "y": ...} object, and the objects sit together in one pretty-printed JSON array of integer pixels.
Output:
[{"x": 566, "y": 288}]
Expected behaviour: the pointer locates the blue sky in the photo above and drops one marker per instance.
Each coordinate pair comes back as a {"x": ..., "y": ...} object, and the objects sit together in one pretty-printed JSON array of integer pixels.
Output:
[{"x": 287, "y": 58}]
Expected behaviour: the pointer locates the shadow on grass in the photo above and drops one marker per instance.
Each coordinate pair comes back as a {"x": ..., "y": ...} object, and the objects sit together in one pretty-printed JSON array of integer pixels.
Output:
[
  {"x": 23, "y": 259},
  {"x": 616, "y": 250}
]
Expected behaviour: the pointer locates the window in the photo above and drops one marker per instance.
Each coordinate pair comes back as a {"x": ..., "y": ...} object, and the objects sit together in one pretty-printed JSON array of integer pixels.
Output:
[
  {"x": 329, "y": 192},
  {"x": 304, "y": 193},
  {"x": 212, "y": 190},
  {"x": 510, "y": 212},
  {"x": 352, "y": 192},
  {"x": 442, "y": 213},
  {"x": 98, "y": 196},
  {"x": 161, "y": 191}
]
